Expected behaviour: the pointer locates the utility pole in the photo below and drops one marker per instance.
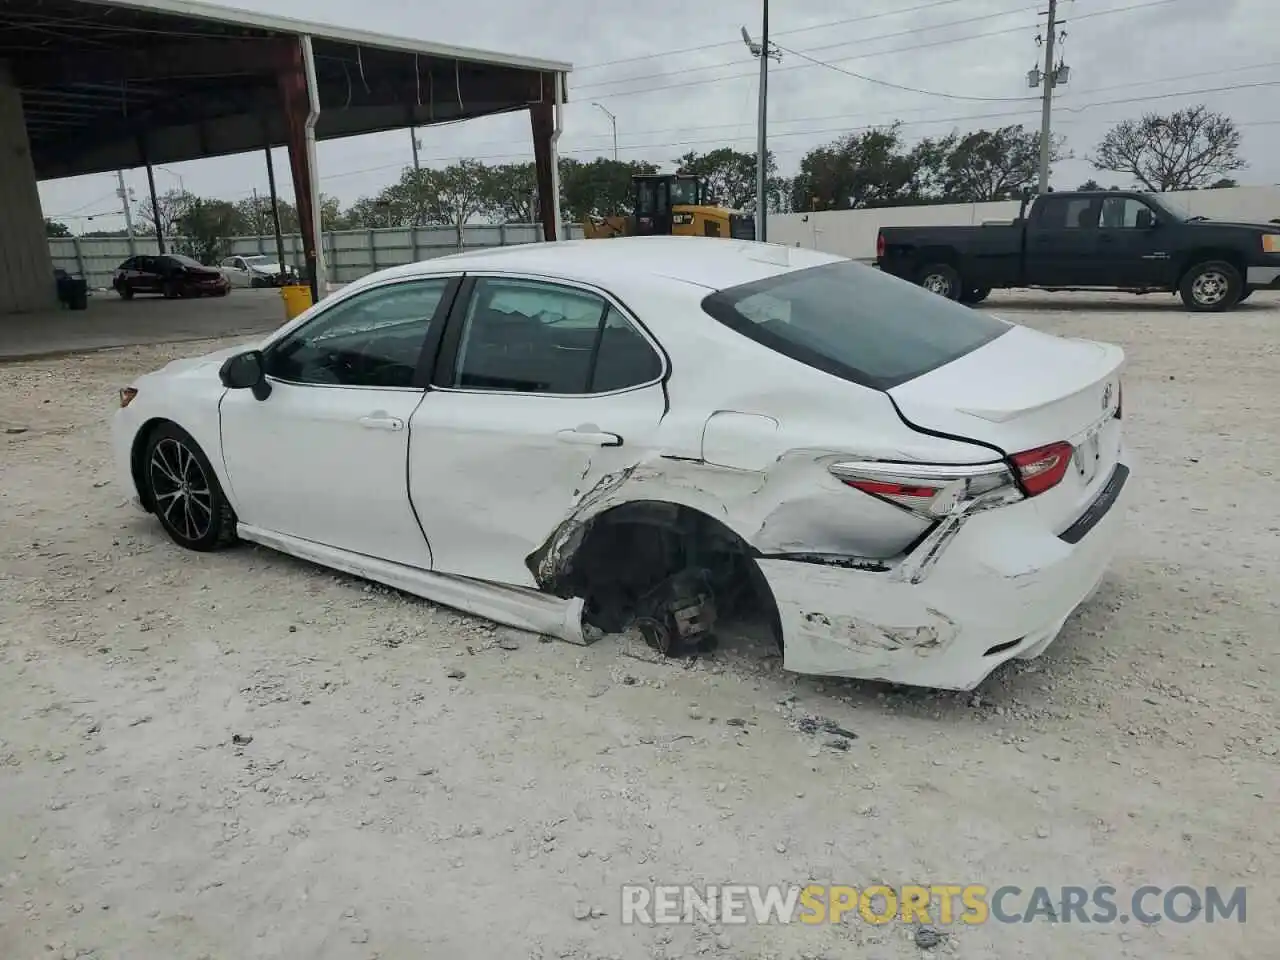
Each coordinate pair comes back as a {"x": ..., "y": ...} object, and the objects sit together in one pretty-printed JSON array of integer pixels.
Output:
[
  {"x": 1052, "y": 75},
  {"x": 765, "y": 53},
  {"x": 123, "y": 193},
  {"x": 413, "y": 140},
  {"x": 613, "y": 120},
  {"x": 762, "y": 139}
]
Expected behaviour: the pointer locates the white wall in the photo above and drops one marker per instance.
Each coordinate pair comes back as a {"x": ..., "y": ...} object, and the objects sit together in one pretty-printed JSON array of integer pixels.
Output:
[
  {"x": 852, "y": 233},
  {"x": 26, "y": 271}
]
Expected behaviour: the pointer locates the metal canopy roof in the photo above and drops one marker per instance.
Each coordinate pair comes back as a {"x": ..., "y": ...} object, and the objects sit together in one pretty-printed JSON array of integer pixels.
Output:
[{"x": 111, "y": 84}]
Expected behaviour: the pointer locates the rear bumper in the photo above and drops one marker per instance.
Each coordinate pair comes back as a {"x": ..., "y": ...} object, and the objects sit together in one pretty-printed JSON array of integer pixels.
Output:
[
  {"x": 1263, "y": 278},
  {"x": 1001, "y": 588}
]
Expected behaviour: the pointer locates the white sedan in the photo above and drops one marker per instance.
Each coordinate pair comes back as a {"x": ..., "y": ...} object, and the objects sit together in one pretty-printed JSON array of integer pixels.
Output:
[
  {"x": 665, "y": 434},
  {"x": 253, "y": 271}
]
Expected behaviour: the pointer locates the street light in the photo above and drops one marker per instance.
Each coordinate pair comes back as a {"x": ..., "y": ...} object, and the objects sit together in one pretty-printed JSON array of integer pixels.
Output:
[
  {"x": 182, "y": 185},
  {"x": 613, "y": 120}
]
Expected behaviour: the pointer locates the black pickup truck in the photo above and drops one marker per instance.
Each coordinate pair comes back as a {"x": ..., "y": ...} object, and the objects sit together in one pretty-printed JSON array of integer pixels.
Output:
[{"x": 1089, "y": 241}]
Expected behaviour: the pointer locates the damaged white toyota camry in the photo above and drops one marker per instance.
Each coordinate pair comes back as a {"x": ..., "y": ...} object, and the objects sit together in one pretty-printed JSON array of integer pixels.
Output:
[{"x": 658, "y": 434}]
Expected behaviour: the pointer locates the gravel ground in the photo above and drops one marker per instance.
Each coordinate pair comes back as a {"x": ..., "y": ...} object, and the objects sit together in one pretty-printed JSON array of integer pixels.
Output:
[{"x": 242, "y": 756}]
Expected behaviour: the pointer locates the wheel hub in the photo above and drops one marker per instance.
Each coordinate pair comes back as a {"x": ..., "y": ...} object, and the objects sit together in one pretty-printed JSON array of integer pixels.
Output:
[
  {"x": 1209, "y": 288},
  {"x": 937, "y": 283}
]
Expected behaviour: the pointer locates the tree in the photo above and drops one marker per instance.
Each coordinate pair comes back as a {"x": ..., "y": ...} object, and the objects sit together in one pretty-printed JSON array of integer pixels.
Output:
[
  {"x": 929, "y": 157},
  {"x": 869, "y": 169},
  {"x": 458, "y": 193},
  {"x": 256, "y": 213},
  {"x": 511, "y": 192},
  {"x": 1184, "y": 150},
  {"x": 169, "y": 208},
  {"x": 997, "y": 164},
  {"x": 55, "y": 228},
  {"x": 1224, "y": 184},
  {"x": 730, "y": 176},
  {"x": 206, "y": 226},
  {"x": 600, "y": 187}
]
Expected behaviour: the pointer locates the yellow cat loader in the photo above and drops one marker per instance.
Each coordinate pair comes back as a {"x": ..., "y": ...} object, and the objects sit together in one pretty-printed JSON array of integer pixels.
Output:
[{"x": 675, "y": 205}]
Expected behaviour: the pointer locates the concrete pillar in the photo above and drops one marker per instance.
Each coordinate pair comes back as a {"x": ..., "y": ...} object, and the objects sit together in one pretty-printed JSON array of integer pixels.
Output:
[{"x": 26, "y": 269}]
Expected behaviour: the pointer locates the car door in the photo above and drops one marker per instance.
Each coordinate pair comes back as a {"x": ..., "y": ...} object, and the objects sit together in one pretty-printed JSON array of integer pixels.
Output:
[
  {"x": 1060, "y": 241},
  {"x": 1129, "y": 250},
  {"x": 323, "y": 457},
  {"x": 233, "y": 268},
  {"x": 543, "y": 391},
  {"x": 145, "y": 276}
]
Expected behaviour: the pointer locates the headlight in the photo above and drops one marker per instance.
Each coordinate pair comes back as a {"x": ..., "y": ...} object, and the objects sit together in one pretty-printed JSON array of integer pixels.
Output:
[{"x": 126, "y": 395}]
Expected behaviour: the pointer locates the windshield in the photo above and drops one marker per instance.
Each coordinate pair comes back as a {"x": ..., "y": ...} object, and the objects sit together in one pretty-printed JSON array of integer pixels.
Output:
[
  {"x": 854, "y": 322},
  {"x": 684, "y": 191},
  {"x": 1167, "y": 206},
  {"x": 257, "y": 259},
  {"x": 185, "y": 261}
]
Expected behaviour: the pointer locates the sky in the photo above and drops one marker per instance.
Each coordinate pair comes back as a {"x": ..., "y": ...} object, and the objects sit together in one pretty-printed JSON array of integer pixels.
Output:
[{"x": 678, "y": 77}]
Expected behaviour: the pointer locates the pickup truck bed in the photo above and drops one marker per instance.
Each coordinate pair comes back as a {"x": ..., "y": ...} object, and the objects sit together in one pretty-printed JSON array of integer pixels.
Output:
[{"x": 1089, "y": 241}]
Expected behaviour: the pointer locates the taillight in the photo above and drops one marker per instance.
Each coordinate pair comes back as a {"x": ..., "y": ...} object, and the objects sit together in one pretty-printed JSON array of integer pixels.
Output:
[
  {"x": 880, "y": 245},
  {"x": 930, "y": 490},
  {"x": 1043, "y": 468}
]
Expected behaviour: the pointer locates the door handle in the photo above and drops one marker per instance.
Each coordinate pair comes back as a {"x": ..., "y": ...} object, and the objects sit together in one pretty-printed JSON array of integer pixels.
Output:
[
  {"x": 380, "y": 421},
  {"x": 589, "y": 435}
]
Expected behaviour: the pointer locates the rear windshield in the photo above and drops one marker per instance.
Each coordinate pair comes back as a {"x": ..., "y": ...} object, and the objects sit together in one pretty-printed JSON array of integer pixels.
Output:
[{"x": 854, "y": 322}]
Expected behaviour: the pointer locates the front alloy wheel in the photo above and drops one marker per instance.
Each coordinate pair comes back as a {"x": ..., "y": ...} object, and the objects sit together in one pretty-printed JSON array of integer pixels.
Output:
[{"x": 184, "y": 491}]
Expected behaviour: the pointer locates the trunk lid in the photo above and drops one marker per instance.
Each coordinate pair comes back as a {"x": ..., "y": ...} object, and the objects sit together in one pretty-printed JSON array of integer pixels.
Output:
[{"x": 1025, "y": 390}]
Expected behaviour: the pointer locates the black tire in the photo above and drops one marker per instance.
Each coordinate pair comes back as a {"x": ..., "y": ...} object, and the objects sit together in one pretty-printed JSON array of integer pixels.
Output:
[
  {"x": 183, "y": 491},
  {"x": 975, "y": 295},
  {"x": 1211, "y": 287},
  {"x": 125, "y": 291},
  {"x": 940, "y": 278}
]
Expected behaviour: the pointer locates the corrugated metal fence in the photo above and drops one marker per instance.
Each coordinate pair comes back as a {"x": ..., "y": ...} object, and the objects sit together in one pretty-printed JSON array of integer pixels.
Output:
[{"x": 349, "y": 254}]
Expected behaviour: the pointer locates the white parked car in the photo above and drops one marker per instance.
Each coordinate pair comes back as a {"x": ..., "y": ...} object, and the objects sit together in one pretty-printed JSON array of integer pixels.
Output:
[
  {"x": 254, "y": 271},
  {"x": 665, "y": 433}
]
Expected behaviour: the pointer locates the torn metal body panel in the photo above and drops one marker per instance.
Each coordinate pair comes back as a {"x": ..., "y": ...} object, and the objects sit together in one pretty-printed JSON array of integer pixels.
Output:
[
  {"x": 514, "y": 606},
  {"x": 996, "y": 589}
]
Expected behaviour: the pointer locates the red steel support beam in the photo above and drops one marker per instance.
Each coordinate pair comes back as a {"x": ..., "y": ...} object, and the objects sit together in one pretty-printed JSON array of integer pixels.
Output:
[
  {"x": 294, "y": 101},
  {"x": 543, "y": 119}
]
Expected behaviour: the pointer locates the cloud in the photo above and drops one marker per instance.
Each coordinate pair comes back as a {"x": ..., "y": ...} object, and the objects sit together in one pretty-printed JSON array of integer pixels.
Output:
[{"x": 678, "y": 77}]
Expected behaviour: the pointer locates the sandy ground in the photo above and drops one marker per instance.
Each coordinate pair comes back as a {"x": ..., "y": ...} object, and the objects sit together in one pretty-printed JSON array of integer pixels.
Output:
[{"x": 241, "y": 756}]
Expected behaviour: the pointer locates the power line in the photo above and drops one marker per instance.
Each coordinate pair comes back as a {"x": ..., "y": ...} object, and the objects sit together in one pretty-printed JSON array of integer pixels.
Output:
[
  {"x": 844, "y": 43},
  {"x": 844, "y": 129},
  {"x": 830, "y": 46},
  {"x": 898, "y": 86},
  {"x": 801, "y": 66},
  {"x": 777, "y": 33}
]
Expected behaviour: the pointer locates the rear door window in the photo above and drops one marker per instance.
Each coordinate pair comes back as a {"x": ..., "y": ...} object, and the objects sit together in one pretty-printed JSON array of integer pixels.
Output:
[{"x": 854, "y": 322}]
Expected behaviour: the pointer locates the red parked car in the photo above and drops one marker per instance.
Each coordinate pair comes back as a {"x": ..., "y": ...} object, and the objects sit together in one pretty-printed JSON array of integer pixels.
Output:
[{"x": 171, "y": 275}]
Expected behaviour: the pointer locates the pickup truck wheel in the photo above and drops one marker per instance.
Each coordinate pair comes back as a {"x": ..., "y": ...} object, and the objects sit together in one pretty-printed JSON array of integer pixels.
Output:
[
  {"x": 975, "y": 295},
  {"x": 940, "y": 278},
  {"x": 1211, "y": 287}
]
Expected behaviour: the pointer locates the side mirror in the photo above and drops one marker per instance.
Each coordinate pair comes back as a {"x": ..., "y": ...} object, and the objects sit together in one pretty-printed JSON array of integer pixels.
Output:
[{"x": 246, "y": 371}]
